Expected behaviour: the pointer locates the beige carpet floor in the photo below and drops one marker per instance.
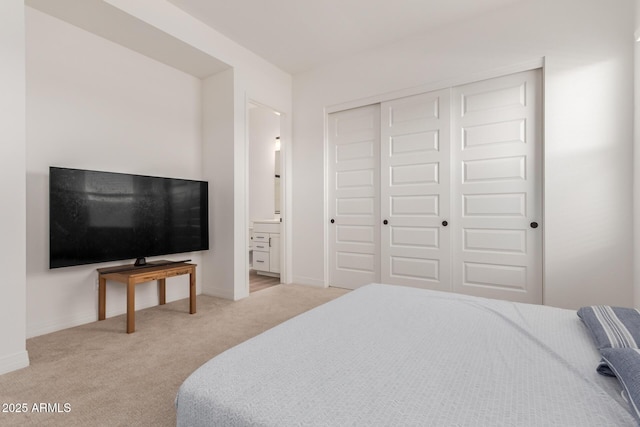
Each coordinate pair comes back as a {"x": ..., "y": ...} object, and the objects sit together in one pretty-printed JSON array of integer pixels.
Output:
[{"x": 97, "y": 375}]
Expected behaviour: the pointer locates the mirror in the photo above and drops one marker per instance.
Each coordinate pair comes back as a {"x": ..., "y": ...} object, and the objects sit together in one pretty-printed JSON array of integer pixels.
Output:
[{"x": 263, "y": 131}]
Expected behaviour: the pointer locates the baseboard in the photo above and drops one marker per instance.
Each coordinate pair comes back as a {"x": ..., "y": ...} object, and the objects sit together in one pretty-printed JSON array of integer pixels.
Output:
[
  {"x": 87, "y": 317},
  {"x": 219, "y": 293},
  {"x": 59, "y": 324},
  {"x": 308, "y": 281},
  {"x": 14, "y": 361}
]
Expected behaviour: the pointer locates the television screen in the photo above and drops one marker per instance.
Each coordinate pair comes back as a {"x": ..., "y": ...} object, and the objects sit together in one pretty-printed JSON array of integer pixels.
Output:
[{"x": 104, "y": 216}]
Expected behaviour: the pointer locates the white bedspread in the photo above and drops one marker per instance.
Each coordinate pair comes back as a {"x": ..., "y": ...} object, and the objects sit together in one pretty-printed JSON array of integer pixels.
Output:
[{"x": 388, "y": 355}]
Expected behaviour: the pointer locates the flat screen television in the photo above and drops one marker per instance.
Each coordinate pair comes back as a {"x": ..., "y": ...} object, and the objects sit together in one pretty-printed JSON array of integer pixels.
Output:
[{"x": 105, "y": 216}]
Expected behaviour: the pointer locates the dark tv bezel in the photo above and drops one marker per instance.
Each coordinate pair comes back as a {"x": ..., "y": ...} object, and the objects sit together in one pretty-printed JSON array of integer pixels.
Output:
[{"x": 205, "y": 224}]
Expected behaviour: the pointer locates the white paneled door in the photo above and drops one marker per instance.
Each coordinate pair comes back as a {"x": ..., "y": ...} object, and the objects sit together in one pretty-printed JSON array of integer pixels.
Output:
[
  {"x": 497, "y": 185},
  {"x": 415, "y": 191},
  {"x": 441, "y": 190},
  {"x": 354, "y": 199}
]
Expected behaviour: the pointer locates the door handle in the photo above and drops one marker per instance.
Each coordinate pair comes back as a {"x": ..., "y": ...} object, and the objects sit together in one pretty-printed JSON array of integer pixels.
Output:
[
  {"x": 534, "y": 224},
  {"x": 445, "y": 223},
  {"x": 332, "y": 220},
  {"x": 385, "y": 222}
]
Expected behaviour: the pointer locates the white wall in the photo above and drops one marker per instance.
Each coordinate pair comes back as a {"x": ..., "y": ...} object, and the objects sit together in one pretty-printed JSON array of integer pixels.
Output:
[
  {"x": 218, "y": 126},
  {"x": 636, "y": 163},
  {"x": 587, "y": 48},
  {"x": 264, "y": 127},
  {"x": 93, "y": 104},
  {"x": 13, "y": 354}
]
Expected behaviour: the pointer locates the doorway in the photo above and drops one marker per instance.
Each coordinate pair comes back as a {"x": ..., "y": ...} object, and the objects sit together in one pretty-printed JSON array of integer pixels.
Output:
[{"x": 264, "y": 197}]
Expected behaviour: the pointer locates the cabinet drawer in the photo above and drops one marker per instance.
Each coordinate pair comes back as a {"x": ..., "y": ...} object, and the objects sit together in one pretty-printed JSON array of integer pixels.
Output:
[
  {"x": 173, "y": 273},
  {"x": 150, "y": 277},
  {"x": 261, "y": 246},
  {"x": 261, "y": 261},
  {"x": 260, "y": 237}
]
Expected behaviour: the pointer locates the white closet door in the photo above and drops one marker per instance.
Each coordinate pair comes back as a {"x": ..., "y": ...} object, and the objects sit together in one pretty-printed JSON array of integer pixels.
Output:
[
  {"x": 353, "y": 196},
  {"x": 497, "y": 182},
  {"x": 415, "y": 191}
]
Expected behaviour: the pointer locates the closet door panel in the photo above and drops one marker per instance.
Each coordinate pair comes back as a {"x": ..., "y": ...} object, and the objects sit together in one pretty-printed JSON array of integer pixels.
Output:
[
  {"x": 497, "y": 181},
  {"x": 414, "y": 191},
  {"x": 441, "y": 190},
  {"x": 353, "y": 196}
]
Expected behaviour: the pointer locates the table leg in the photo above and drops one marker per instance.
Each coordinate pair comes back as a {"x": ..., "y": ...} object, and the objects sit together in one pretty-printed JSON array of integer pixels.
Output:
[
  {"x": 102, "y": 298},
  {"x": 162, "y": 291},
  {"x": 131, "y": 307},
  {"x": 192, "y": 291}
]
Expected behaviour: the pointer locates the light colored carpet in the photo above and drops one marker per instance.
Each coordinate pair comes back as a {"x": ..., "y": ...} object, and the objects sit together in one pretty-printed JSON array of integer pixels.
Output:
[{"x": 110, "y": 378}]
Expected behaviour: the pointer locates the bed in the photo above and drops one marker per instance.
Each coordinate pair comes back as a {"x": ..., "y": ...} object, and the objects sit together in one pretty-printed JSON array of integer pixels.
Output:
[{"x": 387, "y": 355}]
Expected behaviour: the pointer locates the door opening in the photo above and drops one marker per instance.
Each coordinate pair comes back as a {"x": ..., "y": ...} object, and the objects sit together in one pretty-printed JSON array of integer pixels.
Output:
[{"x": 264, "y": 199}]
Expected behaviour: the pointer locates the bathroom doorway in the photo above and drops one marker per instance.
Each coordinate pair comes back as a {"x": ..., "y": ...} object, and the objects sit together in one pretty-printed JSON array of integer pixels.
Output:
[{"x": 265, "y": 260}]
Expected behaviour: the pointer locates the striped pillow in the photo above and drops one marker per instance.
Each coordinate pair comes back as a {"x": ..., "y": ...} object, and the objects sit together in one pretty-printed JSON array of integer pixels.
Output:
[{"x": 612, "y": 327}]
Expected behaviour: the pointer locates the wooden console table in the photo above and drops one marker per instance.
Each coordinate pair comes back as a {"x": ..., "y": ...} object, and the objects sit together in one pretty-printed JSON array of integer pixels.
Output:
[{"x": 131, "y": 276}]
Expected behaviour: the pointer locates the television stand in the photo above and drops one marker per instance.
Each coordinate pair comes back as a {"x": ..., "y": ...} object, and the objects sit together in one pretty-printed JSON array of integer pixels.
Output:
[{"x": 132, "y": 275}]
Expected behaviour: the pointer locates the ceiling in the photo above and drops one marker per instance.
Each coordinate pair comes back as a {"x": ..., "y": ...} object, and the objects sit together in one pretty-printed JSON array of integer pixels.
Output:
[
  {"x": 104, "y": 20},
  {"x": 297, "y": 35}
]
